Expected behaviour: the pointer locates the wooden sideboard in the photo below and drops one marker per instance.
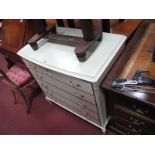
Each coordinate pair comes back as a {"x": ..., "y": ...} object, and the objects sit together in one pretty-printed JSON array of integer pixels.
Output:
[{"x": 132, "y": 112}]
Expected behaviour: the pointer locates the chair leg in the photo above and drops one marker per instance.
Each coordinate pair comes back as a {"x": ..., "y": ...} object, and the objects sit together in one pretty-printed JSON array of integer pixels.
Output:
[
  {"x": 14, "y": 95},
  {"x": 19, "y": 91},
  {"x": 121, "y": 20},
  {"x": 36, "y": 91},
  {"x": 105, "y": 25}
]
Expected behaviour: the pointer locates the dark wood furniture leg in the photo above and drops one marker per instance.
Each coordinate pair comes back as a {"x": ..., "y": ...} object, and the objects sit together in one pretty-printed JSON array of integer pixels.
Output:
[
  {"x": 106, "y": 25},
  {"x": 60, "y": 22},
  {"x": 71, "y": 23}
]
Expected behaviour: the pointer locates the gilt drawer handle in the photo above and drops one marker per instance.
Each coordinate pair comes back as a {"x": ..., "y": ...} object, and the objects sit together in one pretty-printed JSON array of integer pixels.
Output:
[
  {"x": 140, "y": 111},
  {"x": 136, "y": 123},
  {"x": 131, "y": 118},
  {"x": 134, "y": 130}
]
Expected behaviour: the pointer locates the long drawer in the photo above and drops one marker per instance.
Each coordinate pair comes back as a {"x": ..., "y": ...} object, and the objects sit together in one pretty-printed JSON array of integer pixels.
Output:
[
  {"x": 134, "y": 119},
  {"x": 74, "y": 99},
  {"x": 78, "y": 109},
  {"x": 74, "y": 82},
  {"x": 53, "y": 82}
]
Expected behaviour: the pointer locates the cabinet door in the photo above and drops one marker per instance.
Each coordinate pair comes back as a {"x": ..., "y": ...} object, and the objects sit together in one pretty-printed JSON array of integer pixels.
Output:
[{"x": 13, "y": 34}]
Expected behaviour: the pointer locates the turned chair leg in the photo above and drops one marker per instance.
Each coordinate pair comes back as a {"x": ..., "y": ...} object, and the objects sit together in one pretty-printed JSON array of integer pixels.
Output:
[
  {"x": 35, "y": 92},
  {"x": 20, "y": 92},
  {"x": 14, "y": 95}
]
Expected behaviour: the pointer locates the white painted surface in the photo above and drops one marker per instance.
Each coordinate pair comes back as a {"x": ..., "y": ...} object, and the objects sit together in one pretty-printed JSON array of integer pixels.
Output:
[
  {"x": 62, "y": 58},
  {"x": 72, "y": 84}
]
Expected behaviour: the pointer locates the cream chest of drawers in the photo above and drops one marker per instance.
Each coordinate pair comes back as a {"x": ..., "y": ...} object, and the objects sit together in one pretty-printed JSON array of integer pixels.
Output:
[{"x": 72, "y": 84}]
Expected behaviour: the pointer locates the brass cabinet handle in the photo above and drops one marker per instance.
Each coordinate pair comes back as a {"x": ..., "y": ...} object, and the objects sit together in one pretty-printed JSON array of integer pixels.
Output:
[
  {"x": 131, "y": 118},
  {"x": 139, "y": 110},
  {"x": 134, "y": 130},
  {"x": 136, "y": 123}
]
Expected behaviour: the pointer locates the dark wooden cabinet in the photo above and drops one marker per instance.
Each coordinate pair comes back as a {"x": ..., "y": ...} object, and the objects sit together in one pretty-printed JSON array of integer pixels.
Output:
[
  {"x": 132, "y": 112},
  {"x": 16, "y": 32},
  {"x": 130, "y": 116}
]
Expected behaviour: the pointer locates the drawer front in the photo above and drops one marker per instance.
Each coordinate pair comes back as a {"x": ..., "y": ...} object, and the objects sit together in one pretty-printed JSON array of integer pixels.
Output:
[
  {"x": 131, "y": 128},
  {"x": 137, "y": 107},
  {"x": 73, "y": 94},
  {"x": 76, "y": 83},
  {"x": 72, "y": 90},
  {"x": 79, "y": 102},
  {"x": 123, "y": 130},
  {"x": 135, "y": 120},
  {"x": 80, "y": 110}
]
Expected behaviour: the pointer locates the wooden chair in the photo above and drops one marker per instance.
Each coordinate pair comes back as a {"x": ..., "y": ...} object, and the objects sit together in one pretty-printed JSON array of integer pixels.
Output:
[
  {"x": 105, "y": 23},
  {"x": 18, "y": 78}
]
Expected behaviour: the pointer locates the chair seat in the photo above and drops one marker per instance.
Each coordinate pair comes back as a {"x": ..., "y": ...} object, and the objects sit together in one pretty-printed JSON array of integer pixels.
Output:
[{"x": 19, "y": 75}]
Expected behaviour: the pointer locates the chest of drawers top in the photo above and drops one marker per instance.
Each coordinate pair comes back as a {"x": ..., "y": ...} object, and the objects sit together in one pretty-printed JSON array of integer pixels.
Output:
[{"x": 61, "y": 58}]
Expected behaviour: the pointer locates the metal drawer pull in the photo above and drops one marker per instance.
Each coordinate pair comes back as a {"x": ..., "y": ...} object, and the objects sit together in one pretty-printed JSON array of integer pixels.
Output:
[
  {"x": 46, "y": 87},
  {"x": 71, "y": 83},
  {"x": 142, "y": 123},
  {"x": 130, "y": 126},
  {"x": 51, "y": 94},
  {"x": 84, "y": 112},
  {"x": 140, "y": 111},
  {"x": 136, "y": 123},
  {"x": 134, "y": 130},
  {"x": 133, "y": 106},
  {"x": 41, "y": 78},
  {"x": 78, "y": 85},
  {"x": 82, "y": 105},
  {"x": 146, "y": 111},
  {"x": 82, "y": 96}
]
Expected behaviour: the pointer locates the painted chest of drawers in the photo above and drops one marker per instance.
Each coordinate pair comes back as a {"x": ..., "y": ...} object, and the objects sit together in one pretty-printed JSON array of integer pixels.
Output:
[{"x": 72, "y": 84}]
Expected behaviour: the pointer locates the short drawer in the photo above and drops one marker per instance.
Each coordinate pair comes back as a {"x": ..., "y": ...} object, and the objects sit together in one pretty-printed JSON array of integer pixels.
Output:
[
  {"x": 135, "y": 119},
  {"x": 69, "y": 105},
  {"x": 137, "y": 107},
  {"x": 131, "y": 128},
  {"x": 123, "y": 130},
  {"x": 74, "y": 82}
]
